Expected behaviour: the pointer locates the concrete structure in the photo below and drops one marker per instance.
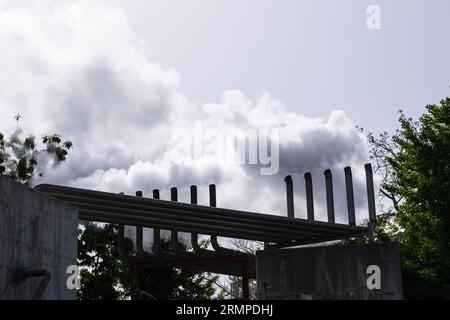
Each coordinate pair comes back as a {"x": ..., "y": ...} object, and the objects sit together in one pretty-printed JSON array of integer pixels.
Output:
[
  {"x": 38, "y": 237},
  {"x": 330, "y": 272},
  {"x": 37, "y": 232}
]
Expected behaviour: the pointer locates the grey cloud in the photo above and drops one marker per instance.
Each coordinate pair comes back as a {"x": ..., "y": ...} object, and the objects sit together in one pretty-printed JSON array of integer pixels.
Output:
[{"x": 120, "y": 108}]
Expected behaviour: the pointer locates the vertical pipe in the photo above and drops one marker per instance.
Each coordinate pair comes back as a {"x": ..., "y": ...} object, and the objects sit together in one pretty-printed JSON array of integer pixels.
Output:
[
  {"x": 213, "y": 203},
  {"x": 350, "y": 196},
  {"x": 174, "y": 194},
  {"x": 290, "y": 196},
  {"x": 174, "y": 234},
  {"x": 371, "y": 201},
  {"x": 156, "y": 231},
  {"x": 330, "y": 196},
  {"x": 212, "y": 196},
  {"x": 194, "y": 195},
  {"x": 194, "y": 236},
  {"x": 309, "y": 196},
  {"x": 139, "y": 233}
]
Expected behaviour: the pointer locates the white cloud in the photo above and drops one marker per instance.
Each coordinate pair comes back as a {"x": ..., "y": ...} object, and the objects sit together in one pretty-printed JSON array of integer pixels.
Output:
[{"x": 78, "y": 69}]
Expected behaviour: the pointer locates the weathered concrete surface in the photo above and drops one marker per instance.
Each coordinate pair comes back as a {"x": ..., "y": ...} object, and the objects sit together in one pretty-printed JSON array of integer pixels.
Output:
[
  {"x": 36, "y": 232},
  {"x": 332, "y": 272}
]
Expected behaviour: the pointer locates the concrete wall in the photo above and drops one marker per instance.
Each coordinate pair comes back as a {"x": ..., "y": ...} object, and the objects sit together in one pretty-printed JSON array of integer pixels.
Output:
[
  {"x": 36, "y": 232},
  {"x": 333, "y": 272}
]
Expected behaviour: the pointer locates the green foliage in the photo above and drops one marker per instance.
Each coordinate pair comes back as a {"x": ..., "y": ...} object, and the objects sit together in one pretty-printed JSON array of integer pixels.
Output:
[
  {"x": 56, "y": 147},
  {"x": 415, "y": 167},
  {"x": 102, "y": 273},
  {"x": 19, "y": 158},
  {"x": 421, "y": 176},
  {"x": 105, "y": 277}
]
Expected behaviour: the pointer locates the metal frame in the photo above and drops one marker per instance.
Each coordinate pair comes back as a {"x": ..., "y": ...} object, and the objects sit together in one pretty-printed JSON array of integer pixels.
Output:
[{"x": 275, "y": 231}]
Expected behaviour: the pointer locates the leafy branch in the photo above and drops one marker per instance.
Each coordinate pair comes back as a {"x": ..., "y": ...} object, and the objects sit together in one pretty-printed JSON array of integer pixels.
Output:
[{"x": 21, "y": 159}]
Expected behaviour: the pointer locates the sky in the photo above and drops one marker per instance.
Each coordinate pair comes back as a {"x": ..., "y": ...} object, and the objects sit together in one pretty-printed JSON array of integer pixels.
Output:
[
  {"x": 118, "y": 78},
  {"x": 316, "y": 56}
]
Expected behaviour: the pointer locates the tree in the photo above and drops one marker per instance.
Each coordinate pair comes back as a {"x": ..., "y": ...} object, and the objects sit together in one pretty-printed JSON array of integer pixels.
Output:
[
  {"x": 415, "y": 167},
  {"x": 104, "y": 276},
  {"x": 21, "y": 160},
  {"x": 226, "y": 290},
  {"x": 102, "y": 272}
]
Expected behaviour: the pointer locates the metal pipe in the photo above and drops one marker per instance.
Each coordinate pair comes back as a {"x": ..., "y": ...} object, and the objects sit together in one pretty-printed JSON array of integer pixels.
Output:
[
  {"x": 330, "y": 196},
  {"x": 189, "y": 227},
  {"x": 350, "y": 196},
  {"x": 213, "y": 203},
  {"x": 214, "y": 241},
  {"x": 131, "y": 204},
  {"x": 174, "y": 233},
  {"x": 309, "y": 196},
  {"x": 111, "y": 208},
  {"x": 181, "y": 220},
  {"x": 139, "y": 257},
  {"x": 296, "y": 243},
  {"x": 156, "y": 231},
  {"x": 371, "y": 201},
  {"x": 140, "y": 233},
  {"x": 22, "y": 275},
  {"x": 212, "y": 196},
  {"x": 290, "y": 196},
  {"x": 194, "y": 235},
  {"x": 235, "y": 228},
  {"x": 194, "y": 195}
]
